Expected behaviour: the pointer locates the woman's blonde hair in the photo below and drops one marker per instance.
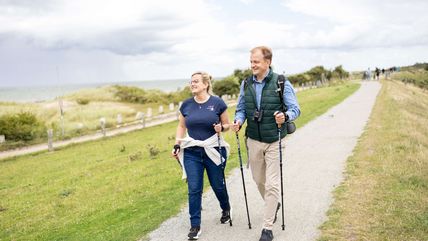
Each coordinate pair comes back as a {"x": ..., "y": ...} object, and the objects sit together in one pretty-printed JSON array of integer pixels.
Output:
[{"x": 206, "y": 79}]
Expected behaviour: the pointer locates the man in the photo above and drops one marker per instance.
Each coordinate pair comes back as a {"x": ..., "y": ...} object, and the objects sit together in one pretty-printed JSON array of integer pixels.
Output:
[{"x": 260, "y": 103}]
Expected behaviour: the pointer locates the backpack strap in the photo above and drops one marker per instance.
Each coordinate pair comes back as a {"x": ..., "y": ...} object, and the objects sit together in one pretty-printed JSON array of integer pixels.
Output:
[
  {"x": 280, "y": 83},
  {"x": 247, "y": 81}
]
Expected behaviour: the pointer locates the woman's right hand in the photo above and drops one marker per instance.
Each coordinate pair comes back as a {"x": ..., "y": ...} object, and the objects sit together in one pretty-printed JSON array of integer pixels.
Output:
[{"x": 175, "y": 151}]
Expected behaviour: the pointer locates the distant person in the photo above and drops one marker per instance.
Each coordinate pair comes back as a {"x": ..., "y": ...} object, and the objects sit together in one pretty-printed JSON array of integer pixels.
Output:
[
  {"x": 387, "y": 73},
  {"x": 365, "y": 75},
  {"x": 203, "y": 116},
  {"x": 377, "y": 72},
  {"x": 369, "y": 74},
  {"x": 263, "y": 113}
]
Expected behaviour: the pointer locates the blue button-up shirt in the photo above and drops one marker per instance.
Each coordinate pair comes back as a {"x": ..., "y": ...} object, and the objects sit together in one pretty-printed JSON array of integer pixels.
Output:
[{"x": 290, "y": 100}]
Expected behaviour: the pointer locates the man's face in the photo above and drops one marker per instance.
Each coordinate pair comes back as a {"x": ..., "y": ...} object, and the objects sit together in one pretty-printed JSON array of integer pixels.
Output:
[{"x": 259, "y": 65}]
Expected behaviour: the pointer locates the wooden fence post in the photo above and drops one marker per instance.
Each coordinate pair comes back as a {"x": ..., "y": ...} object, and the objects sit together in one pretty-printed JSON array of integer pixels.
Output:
[
  {"x": 50, "y": 140},
  {"x": 61, "y": 107},
  {"x": 119, "y": 119},
  {"x": 143, "y": 120},
  {"x": 103, "y": 125}
]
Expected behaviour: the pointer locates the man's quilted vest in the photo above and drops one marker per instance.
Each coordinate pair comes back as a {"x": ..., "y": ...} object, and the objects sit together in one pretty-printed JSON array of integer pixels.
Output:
[{"x": 266, "y": 130}]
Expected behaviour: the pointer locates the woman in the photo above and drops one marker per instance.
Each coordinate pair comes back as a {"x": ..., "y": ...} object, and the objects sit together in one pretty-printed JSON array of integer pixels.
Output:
[{"x": 204, "y": 116}]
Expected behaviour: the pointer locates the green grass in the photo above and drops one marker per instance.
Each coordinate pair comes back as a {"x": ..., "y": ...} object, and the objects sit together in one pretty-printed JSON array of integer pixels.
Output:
[
  {"x": 95, "y": 191},
  {"x": 385, "y": 193}
]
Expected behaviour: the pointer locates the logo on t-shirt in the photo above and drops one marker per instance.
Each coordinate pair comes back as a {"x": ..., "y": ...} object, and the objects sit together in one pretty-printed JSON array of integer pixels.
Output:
[{"x": 210, "y": 108}]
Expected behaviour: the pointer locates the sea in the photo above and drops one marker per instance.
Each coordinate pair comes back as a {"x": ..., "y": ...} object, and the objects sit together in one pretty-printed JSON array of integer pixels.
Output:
[{"x": 50, "y": 92}]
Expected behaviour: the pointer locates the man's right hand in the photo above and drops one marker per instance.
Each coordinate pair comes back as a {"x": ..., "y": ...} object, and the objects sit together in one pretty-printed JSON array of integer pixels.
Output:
[{"x": 236, "y": 126}]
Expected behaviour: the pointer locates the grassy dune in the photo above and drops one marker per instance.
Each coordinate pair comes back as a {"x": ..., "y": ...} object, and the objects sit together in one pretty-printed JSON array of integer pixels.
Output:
[
  {"x": 79, "y": 119},
  {"x": 385, "y": 193},
  {"x": 118, "y": 188}
]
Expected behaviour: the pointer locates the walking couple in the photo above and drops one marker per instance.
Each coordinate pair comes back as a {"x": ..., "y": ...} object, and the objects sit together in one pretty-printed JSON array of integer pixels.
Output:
[{"x": 204, "y": 117}]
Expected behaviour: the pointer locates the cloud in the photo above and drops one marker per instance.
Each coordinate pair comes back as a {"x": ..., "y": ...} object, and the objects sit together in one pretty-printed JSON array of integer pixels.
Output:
[
  {"x": 132, "y": 27},
  {"x": 123, "y": 27},
  {"x": 106, "y": 40},
  {"x": 247, "y": 1},
  {"x": 23, "y": 65},
  {"x": 363, "y": 23}
]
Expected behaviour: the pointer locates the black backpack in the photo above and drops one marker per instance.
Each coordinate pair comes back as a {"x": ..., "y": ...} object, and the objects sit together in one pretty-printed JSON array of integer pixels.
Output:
[{"x": 291, "y": 127}]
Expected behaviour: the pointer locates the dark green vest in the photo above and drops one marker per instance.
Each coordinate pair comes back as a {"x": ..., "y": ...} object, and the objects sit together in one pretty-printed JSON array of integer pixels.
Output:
[{"x": 266, "y": 130}]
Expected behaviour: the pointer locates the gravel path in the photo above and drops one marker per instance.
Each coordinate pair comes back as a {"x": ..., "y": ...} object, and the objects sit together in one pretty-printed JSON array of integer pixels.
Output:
[{"x": 315, "y": 158}]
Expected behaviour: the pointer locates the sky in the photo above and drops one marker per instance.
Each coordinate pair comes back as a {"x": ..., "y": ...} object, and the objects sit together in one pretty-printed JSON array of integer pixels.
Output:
[{"x": 56, "y": 42}]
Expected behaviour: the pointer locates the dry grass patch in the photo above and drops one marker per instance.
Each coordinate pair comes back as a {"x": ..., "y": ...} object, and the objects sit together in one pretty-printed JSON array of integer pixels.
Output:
[{"x": 385, "y": 192}]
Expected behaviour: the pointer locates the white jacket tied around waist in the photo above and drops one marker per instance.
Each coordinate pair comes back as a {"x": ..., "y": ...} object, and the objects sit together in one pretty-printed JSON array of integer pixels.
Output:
[{"x": 208, "y": 146}]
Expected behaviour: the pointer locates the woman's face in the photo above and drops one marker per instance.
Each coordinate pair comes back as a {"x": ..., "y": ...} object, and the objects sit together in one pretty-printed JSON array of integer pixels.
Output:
[{"x": 197, "y": 85}]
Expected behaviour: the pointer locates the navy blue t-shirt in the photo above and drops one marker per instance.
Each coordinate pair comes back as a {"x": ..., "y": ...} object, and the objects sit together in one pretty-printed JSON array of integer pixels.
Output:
[{"x": 199, "y": 118}]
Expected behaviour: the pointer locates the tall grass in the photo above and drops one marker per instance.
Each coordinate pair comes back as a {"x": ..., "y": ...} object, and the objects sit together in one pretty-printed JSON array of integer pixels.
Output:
[
  {"x": 385, "y": 193},
  {"x": 418, "y": 77}
]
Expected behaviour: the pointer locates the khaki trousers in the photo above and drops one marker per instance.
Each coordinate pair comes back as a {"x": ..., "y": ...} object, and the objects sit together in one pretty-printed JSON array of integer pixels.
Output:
[{"x": 264, "y": 164}]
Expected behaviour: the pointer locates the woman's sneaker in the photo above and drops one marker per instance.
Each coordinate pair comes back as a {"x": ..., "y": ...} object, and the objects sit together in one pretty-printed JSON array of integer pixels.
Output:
[
  {"x": 226, "y": 216},
  {"x": 194, "y": 233}
]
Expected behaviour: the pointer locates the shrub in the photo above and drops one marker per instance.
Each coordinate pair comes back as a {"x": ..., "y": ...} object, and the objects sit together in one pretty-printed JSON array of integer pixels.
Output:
[
  {"x": 82, "y": 101},
  {"x": 137, "y": 95},
  {"x": 153, "y": 150},
  {"x": 181, "y": 95},
  {"x": 227, "y": 86},
  {"x": 23, "y": 126},
  {"x": 418, "y": 78},
  {"x": 242, "y": 74},
  {"x": 135, "y": 157},
  {"x": 130, "y": 94},
  {"x": 340, "y": 73},
  {"x": 316, "y": 73}
]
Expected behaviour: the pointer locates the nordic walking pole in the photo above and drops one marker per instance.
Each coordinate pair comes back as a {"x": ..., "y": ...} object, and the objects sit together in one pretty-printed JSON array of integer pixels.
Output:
[
  {"x": 224, "y": 177},
  {"x": 243, "y": 180},
  {"x": 282, "y": 182}
]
